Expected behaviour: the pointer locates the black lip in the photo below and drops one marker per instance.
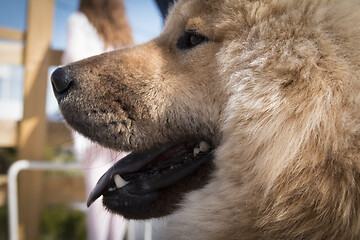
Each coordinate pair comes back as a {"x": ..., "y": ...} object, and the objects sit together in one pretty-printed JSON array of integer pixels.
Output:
[
  {"x": 148, "y": 195},
  {"x": 131, "y": 163},
  {"x": 160, "y": 181}
]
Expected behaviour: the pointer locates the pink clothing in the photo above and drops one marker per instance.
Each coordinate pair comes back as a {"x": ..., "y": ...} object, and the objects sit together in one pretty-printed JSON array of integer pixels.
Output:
[
  {"x": 82, "y": 42},
  {"x": 101, "y": 224}
]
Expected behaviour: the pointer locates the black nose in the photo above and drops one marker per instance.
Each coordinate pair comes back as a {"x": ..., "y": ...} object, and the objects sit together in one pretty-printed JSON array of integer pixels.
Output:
[{"x": 61, "y": 81}]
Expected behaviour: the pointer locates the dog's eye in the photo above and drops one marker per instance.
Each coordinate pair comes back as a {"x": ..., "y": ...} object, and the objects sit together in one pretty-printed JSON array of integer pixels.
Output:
[{"x": 190, "y": 39}]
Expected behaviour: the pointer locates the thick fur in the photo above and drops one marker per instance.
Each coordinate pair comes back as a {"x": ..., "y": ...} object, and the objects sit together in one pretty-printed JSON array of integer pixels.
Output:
[{"x": 275, "y": 89}]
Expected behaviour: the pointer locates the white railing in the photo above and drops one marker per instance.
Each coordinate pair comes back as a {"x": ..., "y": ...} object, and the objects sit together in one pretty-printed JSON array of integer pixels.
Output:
[{"x": 20, "y": 165}]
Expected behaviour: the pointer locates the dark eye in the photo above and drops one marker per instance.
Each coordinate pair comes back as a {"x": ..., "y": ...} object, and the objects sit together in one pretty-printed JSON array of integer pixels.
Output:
[{"x": 190, "y": 39}]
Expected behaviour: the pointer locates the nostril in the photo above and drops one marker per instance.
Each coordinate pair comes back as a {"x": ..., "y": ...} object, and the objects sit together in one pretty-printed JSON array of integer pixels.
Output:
[{"x": 60, "y": 80}]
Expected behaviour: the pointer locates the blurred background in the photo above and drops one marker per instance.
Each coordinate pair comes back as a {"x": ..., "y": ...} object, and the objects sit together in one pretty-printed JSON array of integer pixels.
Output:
[{"x": 33, "y": 36}]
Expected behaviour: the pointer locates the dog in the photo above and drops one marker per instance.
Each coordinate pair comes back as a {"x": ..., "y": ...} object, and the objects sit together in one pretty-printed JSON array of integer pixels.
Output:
[{"x": 242, "y": 118}]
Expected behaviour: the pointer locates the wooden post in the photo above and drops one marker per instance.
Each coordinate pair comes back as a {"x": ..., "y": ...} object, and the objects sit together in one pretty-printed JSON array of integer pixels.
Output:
[{"x": 32, "y": 132}]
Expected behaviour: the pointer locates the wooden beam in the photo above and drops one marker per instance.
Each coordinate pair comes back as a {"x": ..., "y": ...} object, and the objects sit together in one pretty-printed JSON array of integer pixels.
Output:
[
  {"x": 12, "y": 34},
  {"x": 57, "y": 134},
  {"x": 55, "y": 57},
  {"x": 63, "y": 189},
  {"x": 9, "y": 130},
  {"x": 3, "y": 189},
  {"x": 11, "y": 53},
  {"x": 56, "y": 189},
  {"x": 32, "y": 134}
]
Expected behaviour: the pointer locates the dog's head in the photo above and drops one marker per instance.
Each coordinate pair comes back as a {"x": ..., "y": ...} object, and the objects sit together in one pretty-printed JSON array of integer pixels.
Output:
[
  {"x": 245, "y": 87},
  {"x": 162, "y": 101}
]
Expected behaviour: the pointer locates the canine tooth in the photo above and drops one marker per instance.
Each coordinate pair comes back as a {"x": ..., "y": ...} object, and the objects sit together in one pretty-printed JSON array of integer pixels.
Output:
[
  {"x": 204, "y": 146},
  {"x": 119, "y": 182},
  {"x": 196, "y": 151}
]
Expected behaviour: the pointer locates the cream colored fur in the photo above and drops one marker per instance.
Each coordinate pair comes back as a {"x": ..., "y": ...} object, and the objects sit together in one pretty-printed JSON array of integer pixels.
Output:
[
  {"x": 289, "y": 160},
  {"x": 275, "y": 88}
]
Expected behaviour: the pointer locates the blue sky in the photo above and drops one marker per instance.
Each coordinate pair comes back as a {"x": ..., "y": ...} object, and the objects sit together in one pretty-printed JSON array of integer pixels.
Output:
[{"x": 143, "y": 15}]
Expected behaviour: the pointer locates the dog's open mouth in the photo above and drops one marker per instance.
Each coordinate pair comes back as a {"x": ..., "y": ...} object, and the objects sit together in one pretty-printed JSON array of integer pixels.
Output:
[{"x": 151, "y": 183}]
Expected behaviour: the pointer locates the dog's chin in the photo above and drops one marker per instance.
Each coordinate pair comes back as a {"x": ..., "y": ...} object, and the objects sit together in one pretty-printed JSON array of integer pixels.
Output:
[{"x": 152, "y": 183}]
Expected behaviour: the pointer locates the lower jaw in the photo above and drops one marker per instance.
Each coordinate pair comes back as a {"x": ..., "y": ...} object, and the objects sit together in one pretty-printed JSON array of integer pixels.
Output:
[{"x": 158, "y": 203}]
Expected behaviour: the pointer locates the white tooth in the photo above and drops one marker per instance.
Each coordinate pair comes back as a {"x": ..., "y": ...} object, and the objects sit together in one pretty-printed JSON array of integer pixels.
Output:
[
  {"x": 196, "y": 151},
  {"x": 204, "y": 146},
  {"x": 119, "y": 182}
]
